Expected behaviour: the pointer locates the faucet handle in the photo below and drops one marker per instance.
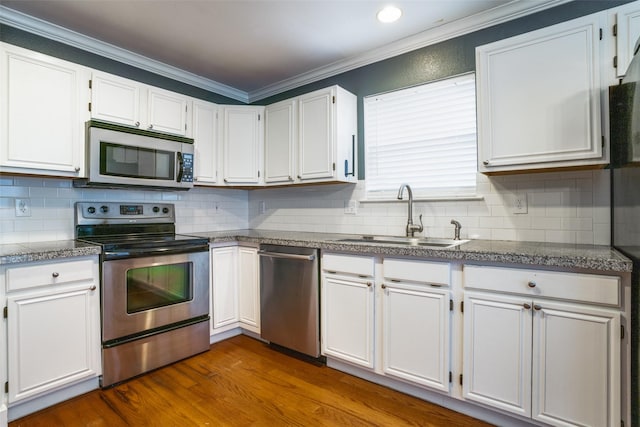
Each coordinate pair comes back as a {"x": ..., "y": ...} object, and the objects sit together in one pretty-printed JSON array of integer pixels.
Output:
[{"x": 421, "y": 225}]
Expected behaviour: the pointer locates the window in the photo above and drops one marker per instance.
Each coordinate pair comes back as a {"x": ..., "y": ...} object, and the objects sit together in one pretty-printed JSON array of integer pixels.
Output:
[{"x": 424, "y": 136}]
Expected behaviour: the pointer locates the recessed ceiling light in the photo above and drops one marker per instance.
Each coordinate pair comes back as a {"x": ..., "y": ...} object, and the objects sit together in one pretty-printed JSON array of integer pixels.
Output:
[{"x": 389, "y": 14}]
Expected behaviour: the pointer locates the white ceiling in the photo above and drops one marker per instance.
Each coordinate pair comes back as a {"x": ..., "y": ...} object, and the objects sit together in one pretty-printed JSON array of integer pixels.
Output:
[{"x": 259, "y": 47}]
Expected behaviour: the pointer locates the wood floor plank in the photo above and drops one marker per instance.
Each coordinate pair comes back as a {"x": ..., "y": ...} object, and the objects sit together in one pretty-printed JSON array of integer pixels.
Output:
[{"x": 243, "y": 382}]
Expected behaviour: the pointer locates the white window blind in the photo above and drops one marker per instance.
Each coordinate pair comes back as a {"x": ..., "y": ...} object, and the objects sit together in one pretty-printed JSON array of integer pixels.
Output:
[{"x": 424, "y": 136}]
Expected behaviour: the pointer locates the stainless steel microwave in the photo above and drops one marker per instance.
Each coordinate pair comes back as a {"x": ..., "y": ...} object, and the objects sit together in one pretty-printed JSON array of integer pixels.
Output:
[{"x": 120, "y": 156}]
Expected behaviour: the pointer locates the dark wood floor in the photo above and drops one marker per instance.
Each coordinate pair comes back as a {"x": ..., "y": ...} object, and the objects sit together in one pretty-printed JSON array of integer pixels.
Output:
[{"x": 243, "y": 382}]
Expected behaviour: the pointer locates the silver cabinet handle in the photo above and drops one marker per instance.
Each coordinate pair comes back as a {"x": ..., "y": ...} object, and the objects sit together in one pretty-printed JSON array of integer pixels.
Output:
[
  {"x": 55, "y": 274},
  {"x": 486, "y": 163},
  {"x": 150, "y": 126},
  {"x": 531, "y": 284},
  {"x": 287, "y": 256},
  {"x": 137, "y": 124}
]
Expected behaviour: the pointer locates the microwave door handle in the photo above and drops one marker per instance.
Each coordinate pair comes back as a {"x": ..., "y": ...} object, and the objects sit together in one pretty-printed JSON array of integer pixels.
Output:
[{"x": 180, "y": 167}]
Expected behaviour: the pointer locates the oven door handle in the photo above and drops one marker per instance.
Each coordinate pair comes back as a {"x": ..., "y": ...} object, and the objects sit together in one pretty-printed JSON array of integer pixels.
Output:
[
  {"x": 287, "y": 256},
  {"x": 148, "y": 252}
]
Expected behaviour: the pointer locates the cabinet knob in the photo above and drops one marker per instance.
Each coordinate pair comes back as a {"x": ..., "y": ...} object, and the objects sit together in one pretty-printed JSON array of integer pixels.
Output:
[
  {"x": 150, "y": 126},
  {"x": 383, "y": 286},
  {"x": 531, "y": 284},
  {"x": 93, "y": 288},
  {"x": 77, "y": 169},
  {"x": 55, "y": 274},
  {"x": 226, "y": 180},
  {"x": 299, "y": 177},
  {"x": 290, "y": 179},
  {"x": 537, "y": 307},
  {"x": 527, "y": 306},
  {"x": 137, "y": 124},
  {"x": 486, "y": 163}
]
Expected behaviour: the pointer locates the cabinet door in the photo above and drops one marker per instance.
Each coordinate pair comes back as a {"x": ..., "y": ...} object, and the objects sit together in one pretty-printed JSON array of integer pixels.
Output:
[
  {"x": 115, "y": 99},
  {"x": 280, "y": 138},
  {"x": 576, "y": 365},
  {"x": 53, "y": 339},
  {"x": 224, "y": 294},
  {"x": 539, "y": 98},
  {"x": 628, "y": 22},
  {"x": 497, "y": 352},
  {"x": 415, "y": 334},
  {"x": 205, "y": 132},
  {"x": 242, "y": 144},
  {"x": 42, "y": 113},
  {"x": 316, "y": 133},
  {"x": 347, "y": 319},
  {"x": 167, "y": 111},
  {"x": 249, "y": 288}
]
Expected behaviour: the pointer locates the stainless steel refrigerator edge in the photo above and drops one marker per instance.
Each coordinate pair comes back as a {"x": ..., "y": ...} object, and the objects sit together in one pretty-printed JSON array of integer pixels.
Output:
[
  {"x": 624, "y": 106},
  {"x": 290, "y": 297}
]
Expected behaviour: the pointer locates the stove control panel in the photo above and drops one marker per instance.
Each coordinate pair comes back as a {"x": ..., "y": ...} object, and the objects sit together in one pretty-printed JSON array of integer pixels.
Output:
[{"x": 125, "y": 212}]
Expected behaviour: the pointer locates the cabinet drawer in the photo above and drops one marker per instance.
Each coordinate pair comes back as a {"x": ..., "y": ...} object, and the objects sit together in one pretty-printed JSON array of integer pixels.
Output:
[
  {"x": 569, "y": 286},
  {"x": 417, "y": 271},
  {"x": 351, "y": 264},
  {"x": 43, "y": 274}
]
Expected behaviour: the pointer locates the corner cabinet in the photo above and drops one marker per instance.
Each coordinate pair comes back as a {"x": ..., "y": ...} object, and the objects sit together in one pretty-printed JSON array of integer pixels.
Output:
[
  {"x": 53, "y": 325},
  {"x": 539, "y": 99},
  {"x": 539, "y": 356},
  {"x": 312, "y": 138},
  {"x": 42, "y": 113},
  {"x": 242, "y": 130}
]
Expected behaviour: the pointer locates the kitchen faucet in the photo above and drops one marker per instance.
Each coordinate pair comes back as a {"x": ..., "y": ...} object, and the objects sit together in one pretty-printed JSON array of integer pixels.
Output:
[{"x": 411, "y": 227}]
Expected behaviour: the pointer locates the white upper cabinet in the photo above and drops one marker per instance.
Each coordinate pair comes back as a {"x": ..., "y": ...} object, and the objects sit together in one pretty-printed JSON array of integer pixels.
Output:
[
  {"x": 119, "y": 100},
  {"x": 627, "y": 33},
  {"x": 327, "y": 136},
  {"x": 42, "y": 113},
  {"x": 280, "y": 142},
  {"x": 539, "y": 98},
  {"x": 242, "y": 141},
  {"x": 205, "y": 136}
]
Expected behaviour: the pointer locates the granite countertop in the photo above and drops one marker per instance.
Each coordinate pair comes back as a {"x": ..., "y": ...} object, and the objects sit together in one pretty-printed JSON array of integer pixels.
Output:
[
  {"x": 43, "y": 251},
  {"x": 559, "y": 255}
]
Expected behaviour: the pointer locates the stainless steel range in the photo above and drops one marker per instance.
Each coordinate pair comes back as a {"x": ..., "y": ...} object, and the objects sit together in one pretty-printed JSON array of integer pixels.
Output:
[{"x": 155, "y": 286}]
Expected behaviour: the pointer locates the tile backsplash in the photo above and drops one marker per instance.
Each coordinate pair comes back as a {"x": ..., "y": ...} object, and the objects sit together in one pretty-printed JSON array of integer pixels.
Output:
[
  {"x": 567, "y": 207},
  {"x": 52, "y": 207}
]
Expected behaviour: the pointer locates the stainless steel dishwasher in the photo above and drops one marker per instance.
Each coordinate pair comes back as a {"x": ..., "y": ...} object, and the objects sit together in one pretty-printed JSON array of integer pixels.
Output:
[{"x": 289, "y": 298}]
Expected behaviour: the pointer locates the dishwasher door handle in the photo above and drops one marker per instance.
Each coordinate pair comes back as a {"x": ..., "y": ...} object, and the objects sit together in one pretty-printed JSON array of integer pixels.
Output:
[{"x": 287, "y": 256}]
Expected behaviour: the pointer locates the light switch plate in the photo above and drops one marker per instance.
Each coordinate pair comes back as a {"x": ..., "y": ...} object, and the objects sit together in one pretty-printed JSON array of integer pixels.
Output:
[{"x": 23, "y": 207}]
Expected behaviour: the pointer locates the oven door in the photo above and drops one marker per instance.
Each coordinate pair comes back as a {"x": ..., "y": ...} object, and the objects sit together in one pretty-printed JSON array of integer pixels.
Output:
[{"x": 142, "y": 294}]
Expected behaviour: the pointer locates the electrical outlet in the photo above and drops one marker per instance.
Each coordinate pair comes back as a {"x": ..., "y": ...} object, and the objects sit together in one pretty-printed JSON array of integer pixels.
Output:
[
  {"x": 23, "y": 207},
  {"x": 351, "y": 207},
  {"x": 519, "y": 204}
]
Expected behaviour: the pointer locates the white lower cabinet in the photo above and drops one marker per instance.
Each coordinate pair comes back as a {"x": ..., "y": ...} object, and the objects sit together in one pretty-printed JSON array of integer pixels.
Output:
[
  {"x": 53, "y": 326},
  {"x": 235, "y": 289},
  {"x": 556, "y": 362}
]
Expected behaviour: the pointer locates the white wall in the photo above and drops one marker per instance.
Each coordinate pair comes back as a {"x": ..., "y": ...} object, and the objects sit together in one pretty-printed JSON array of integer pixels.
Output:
[
  {"x": 567, "y": 207},
  {"x": 52, "y": 205}
]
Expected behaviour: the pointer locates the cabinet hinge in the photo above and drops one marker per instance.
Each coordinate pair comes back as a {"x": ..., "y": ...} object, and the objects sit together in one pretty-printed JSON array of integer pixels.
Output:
[
  {"x": 615, "y": 61},
  {"x": 333, "y": 99},
  {"x": 258, "y": 174},
  {"x": 6, "y": 387},
  {"x": 334, "y": 166},
  {"x": 621, "y": 331},
  {"x": 462, "y": 306},
  {"x": 615, "y": 30},
  {"x": 602, "y": 141},
  {"x": 89, "y": 106},
  {"x": 90, "y": 83},
  {"x": 5, "y": 312},
  {"x": 450, "y": 376},
  {"x": 450, "y": 305},
  {"x": 258, "y": 117},
  {"x": 600, "y": 33},
  {"x": 460, "y": 379}
]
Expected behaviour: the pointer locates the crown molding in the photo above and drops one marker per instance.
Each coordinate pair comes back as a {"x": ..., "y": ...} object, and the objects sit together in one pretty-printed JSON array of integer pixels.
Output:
[
  {"x": 510, "y": 11},
  {"x": 60, "y": 34}
]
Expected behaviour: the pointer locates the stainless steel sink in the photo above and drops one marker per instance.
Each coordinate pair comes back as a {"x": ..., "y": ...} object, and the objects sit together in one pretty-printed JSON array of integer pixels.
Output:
[{"x": 409, "y": 241}]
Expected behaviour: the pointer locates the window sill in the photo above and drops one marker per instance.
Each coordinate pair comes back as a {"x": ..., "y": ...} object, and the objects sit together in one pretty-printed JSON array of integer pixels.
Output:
[{"x": 426, "y": 199}]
